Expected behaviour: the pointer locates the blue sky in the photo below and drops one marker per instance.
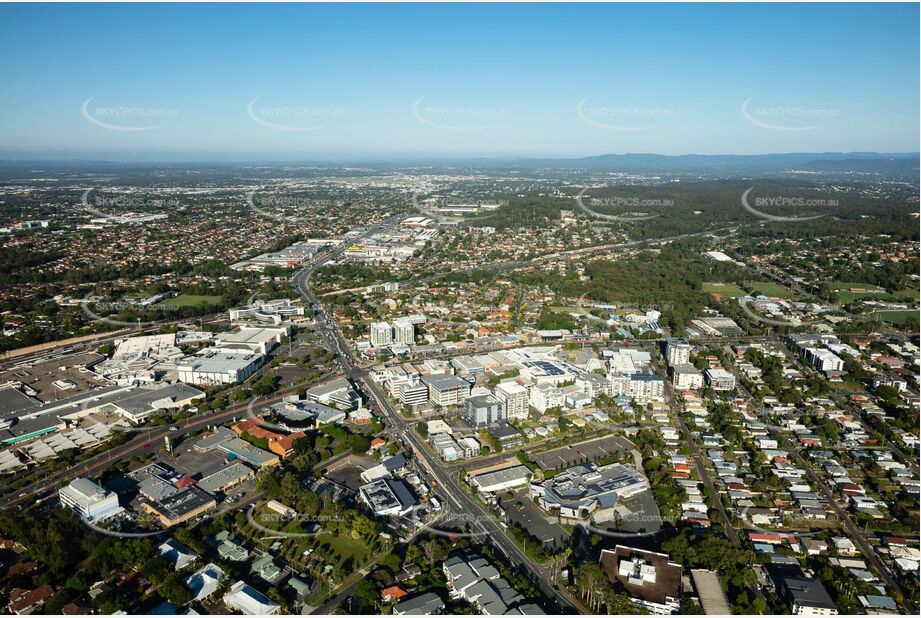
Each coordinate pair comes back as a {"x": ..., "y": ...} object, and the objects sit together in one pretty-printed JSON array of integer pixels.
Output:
[{"x": 313, "y": 82}]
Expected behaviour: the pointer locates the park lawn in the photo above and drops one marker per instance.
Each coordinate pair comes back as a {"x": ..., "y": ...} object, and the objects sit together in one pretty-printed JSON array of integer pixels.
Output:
[
  {"x": 895, "y": 316},
  {"x": 191, "y": 300},
  {"x": 909, "y": 293},
  {"x": 724, "y": 289},
  {"x": 767, "y": 288}
]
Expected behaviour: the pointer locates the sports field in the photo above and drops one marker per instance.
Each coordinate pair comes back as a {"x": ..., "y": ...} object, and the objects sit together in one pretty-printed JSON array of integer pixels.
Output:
[
  {"x": 767, "y": 288},
  {"x": 191, "y": 300},
  {"x": 730, "y": 290}
]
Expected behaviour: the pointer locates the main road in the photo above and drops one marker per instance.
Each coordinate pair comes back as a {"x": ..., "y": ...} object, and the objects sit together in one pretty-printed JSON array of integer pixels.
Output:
[{"x": 481, "y": 524}]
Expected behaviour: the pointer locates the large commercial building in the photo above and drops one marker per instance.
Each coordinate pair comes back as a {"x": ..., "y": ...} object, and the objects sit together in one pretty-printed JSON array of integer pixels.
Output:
[
  {"x": 483, "y": 410},
  {"x": 546, "y": 372},
  {"x": 445, "y": 390},
  {"x": 226, "y": 441},
  {"x": 515, "y": 397},
  {"x": 220, "y": 367},
  {"x": 90, "y": 501},
  {"x": 588, "y": 491},
  {"x": 502, "y": 479},
  {"x": 258, "y": 339}
]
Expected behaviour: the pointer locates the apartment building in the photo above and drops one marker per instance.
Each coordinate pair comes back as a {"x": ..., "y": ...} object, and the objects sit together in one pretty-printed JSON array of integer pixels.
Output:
[
  {"x": 515, "y": 397},
  {"x": 677, "y": 351},
  {"x": 381, "y": 334}
]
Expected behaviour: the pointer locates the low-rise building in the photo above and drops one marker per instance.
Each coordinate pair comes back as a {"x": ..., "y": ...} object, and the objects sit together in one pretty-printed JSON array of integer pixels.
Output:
[
  {"x": 181, "y": 506},
  {"x": 588, "y": 491},
  {"x": 387, "y": 497},
  {"x": 720, "y": 379}
]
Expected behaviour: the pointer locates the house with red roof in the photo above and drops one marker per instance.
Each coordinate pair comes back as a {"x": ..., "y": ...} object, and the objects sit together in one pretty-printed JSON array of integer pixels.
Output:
[{"x": 393, "y": 593}]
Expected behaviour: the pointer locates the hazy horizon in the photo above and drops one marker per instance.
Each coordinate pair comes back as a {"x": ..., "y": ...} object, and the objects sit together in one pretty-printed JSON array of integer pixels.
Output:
[{"x": 398, "y": 82}]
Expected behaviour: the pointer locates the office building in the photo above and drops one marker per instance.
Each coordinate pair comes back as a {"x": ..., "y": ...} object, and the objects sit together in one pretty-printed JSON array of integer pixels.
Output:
[
  {"x": 445, "y": 390},
  {"x": 483, "y": 410},
  {"x": 89, "y": 500},
  {"x": 414, "y": 392},
  {"x": 824, "y": 360},
  {"x": 387, "y": 496}
]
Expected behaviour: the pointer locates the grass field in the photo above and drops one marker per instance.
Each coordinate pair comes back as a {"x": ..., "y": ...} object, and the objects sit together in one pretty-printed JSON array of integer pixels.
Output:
[
  {"x": 894, "y": 316},
  {"x": 191, "y": 300},
  {"x": 724, "y": 289},
  {"x": 909, "y": 293},
  {"x": 766, "y": 288},
  {"x": 846, "y": 292}
]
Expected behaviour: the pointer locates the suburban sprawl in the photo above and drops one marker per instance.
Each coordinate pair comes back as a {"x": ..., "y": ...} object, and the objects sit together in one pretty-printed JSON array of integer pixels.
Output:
[{"x": 498, "y": 389}]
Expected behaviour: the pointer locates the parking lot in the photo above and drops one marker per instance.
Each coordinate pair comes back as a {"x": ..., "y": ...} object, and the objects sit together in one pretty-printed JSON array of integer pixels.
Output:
[
  {"x": 639, "y": 513},
  {"x": 586, "y": 452}
]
